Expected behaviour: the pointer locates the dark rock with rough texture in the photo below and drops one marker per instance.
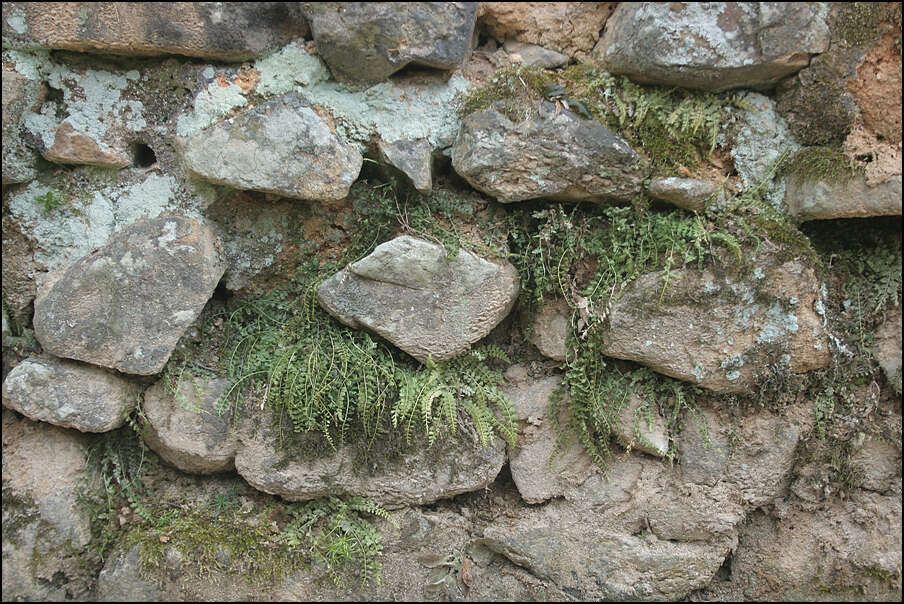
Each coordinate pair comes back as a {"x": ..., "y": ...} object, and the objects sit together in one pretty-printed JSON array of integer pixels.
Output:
[
  {"x": 713, "y": 46},
  {"x": 21, "y": 94},
  {"x": 46, "y": 534},
  {"x": 366, "y": 42},
  {"x": 228, "y": 31},
  {"x": 409, "y": 292},
  {"x": 411, "y": 475},
  {"x": 281, "y": 146},
  {"x": 186, "y": 429},
  {"x": 121, "y": 580},
  {"x": 554, "y": 155},
  {"x": 714, "y": 331},
  {"x": 69, "y": 394},
  {"x": 855, "y": 198},
  {"x": 126, "y": 305},
  {"x": 413, "y": 158},
  {"x": 687, "y": 193}
]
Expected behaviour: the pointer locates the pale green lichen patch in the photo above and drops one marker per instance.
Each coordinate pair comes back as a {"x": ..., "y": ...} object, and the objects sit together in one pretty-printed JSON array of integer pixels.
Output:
[{"x": 211, "y": 104}]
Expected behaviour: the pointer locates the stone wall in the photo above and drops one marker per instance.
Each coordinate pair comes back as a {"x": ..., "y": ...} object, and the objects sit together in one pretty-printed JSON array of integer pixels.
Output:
[{"x": 498, "y": 300}]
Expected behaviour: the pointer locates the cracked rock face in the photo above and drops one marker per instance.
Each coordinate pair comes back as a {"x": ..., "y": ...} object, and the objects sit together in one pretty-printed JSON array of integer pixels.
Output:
[
  {"x": 554, "y": 155},
  {"x": 281, "y": 146},
  {"x": 409, "y": 292},
  {"x": 125, "y": 305}
]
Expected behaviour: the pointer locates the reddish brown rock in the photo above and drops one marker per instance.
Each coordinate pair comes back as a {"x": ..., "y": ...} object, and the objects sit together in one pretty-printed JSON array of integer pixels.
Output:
[{"x": 73, "y": 147}]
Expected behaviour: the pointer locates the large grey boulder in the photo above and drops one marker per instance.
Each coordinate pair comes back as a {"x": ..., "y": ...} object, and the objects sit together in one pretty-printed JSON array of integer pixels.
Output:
[
  {"x": 229, "y": 31},
  {"x": 281, "y": 146},
  {"x": 366, "y": 42},
  {"x": 714, "y": 331},
  {"x": 414, "y": 475},
  {"x": 553, "y": 155},
  {"x": 69, "y": 394},
  {"x": 186, "y": 429},
  {"x": 410, "y": 292},
  {"x": 126, "y": 305},
  {"x": 712, "y": 45},
  {"x": 855, "y": 198}
]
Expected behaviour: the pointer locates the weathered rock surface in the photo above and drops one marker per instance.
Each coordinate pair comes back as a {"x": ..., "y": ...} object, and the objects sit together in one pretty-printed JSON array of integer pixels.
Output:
[
  {"x": 126, "y": 305},
  {"x": 21, "y": 94},
  {"x": 549, "y": 329},
  {"x": 554, "y": 155},
  {"x": 713, "y": 331},
  {"x": 572, "y": 28},
  {"x": 887, "y": 348},
  {"x": 634, "y": 430},
  {"x": 45, "y": 532},
  {"x": 366, "y": 42},
  {"x": 533, "y": 55},
  {"x": 185, "y": 428},
  {"x": 702, "y": 449},
  {"x": 537, "y": 473},
  {"x": 410, "y": 293},
  {"x": 414, "y": 476},
  {"x": 224, "y": 31},
  {"x": 688, "y": 193},
  {"x": 854, "y": 198},
  {"x": 69, "y": 394},
  {"x": 120, "y": 580},
  {"x": 712, "y": 46},
  {"x": 413, "y": 158},
  {"x": 281, "y": 146},
  {"x": 73, "y": 147}
]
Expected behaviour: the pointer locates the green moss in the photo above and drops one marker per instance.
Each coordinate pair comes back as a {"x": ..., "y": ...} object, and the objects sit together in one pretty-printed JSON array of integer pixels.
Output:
[
  {"x": 824, "y": 164},
  {"x": 856, "y": 23}
]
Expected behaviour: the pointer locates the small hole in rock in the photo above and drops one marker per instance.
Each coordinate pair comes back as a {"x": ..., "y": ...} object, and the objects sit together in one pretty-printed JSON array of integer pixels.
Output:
[{"x": 143, "y": 156}]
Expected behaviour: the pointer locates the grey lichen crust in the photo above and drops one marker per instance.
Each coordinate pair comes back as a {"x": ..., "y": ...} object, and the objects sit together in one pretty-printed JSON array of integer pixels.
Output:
[{"x": 411, "y": 293}]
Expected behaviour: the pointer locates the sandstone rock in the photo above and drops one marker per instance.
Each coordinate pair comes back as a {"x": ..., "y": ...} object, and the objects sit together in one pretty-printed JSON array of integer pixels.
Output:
[
  {"x": 70, "y": 395},
  {"x": 537, "y": 474},
  {"x": 880, "y": 462},
  {"x": 549, "y": 329},
  {"x": 126, "y": 305},
  {"x": 366, "y": 42},
  {"x": 410, "y": 293},
  {"x": 533, "y": 55},
  {"x": 635, "y": 431},
  {"x": 223, "y": 31},
  {"x": 73, "y": 147},
  {"x": 688, "y": 193},
  {"x": 571, "y": 28},
  {"x": 551, "y": 156},
  {"x": 713, "y": 331},
  {"x": 702, "y": 462},
  {"x": 21, "y": 94},
  {"x": 760, "y": 467},
  {"x": 887, "y": 348},
  {"x": 185, "y": 428},
  {"x": 46, "y": 534},
  {"x": 821, "y": 200},
  {"x": 121, "y": 580},
  {"x": 712, "y": 46},
  {"x": 413, "y": 158},
  {"x": 281, "y": 146},
  {"x": 415, "y": 475}
]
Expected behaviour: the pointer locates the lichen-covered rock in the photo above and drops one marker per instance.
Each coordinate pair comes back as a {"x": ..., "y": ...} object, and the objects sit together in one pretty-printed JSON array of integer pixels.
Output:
[
  {"x": 21, "y": 94},
  {"x": 713, "y": 46},
  {"x": 688, "y": 193},
  {"x": 540, "y": 471},
  {"x": 715, "y": 331},
  {"x": 415, "y": 475},
  {"x": 553, "y": 155},
  {"x": 73, "y": 147},
  {"x": 409, "y": 292},
  {"x": 69, "y": 394},
  {"x": 126, "y": 305},
  {"x": 572, "y": 28},
  {"x": 366, "y": 42},
  {"x": 46, "y": 535},
  {"x": 228, "y": 31},
  {"x": 281, "y": 146},
  {"x": 413, "y": 158},
  {"x": 807, "y": 199},
  {"x": 186, "y": 429}
]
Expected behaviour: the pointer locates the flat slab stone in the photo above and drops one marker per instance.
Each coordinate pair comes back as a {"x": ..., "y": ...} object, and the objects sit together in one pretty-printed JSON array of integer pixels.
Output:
[
  {"x": 281, "y": 146},
  {"x": 69, "y": 394},
  {"x": 409, "y": 292},
  {"x": 553, "y": 155},
  {"x": 821, "y": 200},
  {"x": 125, "y": 305},
  {"x": 713, "y": 46}
]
